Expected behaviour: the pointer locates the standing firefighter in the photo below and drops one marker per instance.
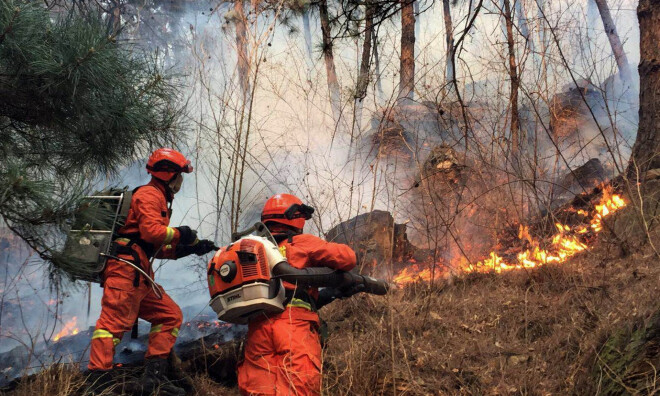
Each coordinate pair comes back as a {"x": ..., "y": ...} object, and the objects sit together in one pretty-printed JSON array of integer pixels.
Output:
[
  {"x": 128, "y": 293},
  {"x": 283, "y": 350}
]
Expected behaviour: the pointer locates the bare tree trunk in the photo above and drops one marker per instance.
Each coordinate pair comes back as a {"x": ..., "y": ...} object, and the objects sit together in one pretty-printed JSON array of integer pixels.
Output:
[
  {"x": 114, "y": 17},
  {"x": 308, "y": 43},
  {"x": 524, "y": 29},
  {"x": 449, "y": 40},
  {"x": 242, "y": 50},
  {"x": 379, "y": 82},
  {"x": 365, "y": 65},
  {"x": 615, "y": 41},
  {"x": 646, "y": 151},
  {"x": 333, "y": 83},
  {"x": 407, "y": 59},
  {"x": 513, "y": 76}
]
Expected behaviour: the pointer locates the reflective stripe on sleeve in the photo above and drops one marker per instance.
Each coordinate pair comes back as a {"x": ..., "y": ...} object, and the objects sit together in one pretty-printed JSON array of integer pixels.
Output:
[
  {"x": 169, "y": 236},
  {"x": 156, "y": 328},
  {"x": 175, "y": 331}
]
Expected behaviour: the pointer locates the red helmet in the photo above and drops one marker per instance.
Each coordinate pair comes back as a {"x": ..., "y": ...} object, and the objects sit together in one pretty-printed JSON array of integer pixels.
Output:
[
  {"x": 286, "y": 209},
  {"x": 165, "y": 164}
]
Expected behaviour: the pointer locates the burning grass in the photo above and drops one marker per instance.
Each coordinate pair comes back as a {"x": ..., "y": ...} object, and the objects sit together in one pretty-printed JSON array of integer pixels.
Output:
[
  {"x": 556, "y": 329},
  {"x": 567, "y": 241}
]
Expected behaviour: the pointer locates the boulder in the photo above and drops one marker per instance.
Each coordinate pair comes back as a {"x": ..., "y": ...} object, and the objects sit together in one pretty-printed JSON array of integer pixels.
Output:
[{"x": 375, "y": 237}]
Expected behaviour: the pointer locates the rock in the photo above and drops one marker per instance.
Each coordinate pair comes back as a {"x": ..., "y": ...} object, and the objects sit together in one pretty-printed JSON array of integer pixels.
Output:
[
  {"x": 375, "y": 238},
  {"x": 582, "y": 179}
]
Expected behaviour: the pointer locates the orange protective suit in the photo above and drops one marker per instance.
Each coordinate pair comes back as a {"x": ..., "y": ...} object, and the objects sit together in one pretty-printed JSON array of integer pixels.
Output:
[
  {"x": 283, "y": 351},
  {"x": 126, "y": 294}
]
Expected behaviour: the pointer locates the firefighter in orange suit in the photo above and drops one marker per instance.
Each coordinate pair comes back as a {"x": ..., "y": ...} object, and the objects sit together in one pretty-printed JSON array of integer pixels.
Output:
[
  {"x": 283, "y": 351},
  {"x": 128, "y": 294}
]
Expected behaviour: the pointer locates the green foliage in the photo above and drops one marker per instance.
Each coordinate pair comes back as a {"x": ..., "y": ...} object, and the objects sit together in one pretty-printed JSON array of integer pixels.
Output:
[{"x": 75, "y": 103}]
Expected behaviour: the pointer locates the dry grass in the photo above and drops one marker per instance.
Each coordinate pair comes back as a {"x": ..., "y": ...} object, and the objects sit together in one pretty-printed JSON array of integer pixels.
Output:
[
  {"x": 58, "y": 379},
  {"x": 539, "y": 332}
]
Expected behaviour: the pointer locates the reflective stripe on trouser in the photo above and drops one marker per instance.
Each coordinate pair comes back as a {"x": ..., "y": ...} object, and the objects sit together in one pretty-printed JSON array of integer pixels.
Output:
[
  {"x": 282, "y": 355},
  {"x": 121, "y": 305},
  {"x": 161, "y": 339}
]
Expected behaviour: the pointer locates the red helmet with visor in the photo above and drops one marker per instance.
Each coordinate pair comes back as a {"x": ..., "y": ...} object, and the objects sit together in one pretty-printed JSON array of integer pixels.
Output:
[
  {"x": 288, "y": 210},
  {"x": 165, "y": 164}
]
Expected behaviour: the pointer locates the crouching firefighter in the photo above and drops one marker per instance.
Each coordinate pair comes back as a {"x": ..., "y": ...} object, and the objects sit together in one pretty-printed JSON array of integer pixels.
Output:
[
  {"x": 129, "y": 291},
  {"x": 279, "y": 299}
]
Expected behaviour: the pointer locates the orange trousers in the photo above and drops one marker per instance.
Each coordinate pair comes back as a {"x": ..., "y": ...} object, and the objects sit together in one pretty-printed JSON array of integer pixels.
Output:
[
  {"x": 121, "y": 305},
  {"x": 282, "y": 355}
]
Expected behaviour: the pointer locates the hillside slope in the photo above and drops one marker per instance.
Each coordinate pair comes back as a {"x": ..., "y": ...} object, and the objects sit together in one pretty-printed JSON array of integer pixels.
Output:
[{"x": 588, "y": 326}]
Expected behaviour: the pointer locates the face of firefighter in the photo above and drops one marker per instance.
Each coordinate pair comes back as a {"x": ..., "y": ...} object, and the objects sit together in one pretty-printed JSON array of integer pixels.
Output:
[{"x": 175, "y": 185}]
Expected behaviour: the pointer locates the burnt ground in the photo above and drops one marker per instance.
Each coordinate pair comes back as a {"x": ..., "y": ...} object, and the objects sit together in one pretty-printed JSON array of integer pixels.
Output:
[{"x": 590, "y": 326}]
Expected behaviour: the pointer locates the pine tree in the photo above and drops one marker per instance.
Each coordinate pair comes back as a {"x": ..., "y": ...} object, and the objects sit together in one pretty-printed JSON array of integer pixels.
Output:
[{"x": 75, "y": 103}]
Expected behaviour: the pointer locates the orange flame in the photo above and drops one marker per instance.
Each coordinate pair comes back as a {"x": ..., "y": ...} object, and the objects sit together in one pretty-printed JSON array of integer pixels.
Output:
[
  {"x": 565, "y": 244},
  {"x": 69, "y": 328}
]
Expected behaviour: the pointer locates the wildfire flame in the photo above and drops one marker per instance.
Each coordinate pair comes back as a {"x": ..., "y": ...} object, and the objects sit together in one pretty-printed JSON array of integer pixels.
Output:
[
  {"x": 564, "y": 244},
  {"x": 69, "y": 328}
]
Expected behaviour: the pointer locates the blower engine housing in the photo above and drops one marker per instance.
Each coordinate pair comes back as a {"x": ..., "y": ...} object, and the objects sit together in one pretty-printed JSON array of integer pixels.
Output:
[{"x": 239, "y": 278}]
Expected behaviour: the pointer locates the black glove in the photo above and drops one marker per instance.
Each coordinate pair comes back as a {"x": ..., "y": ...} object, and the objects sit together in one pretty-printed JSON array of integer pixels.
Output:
[
  {"x": 352, "y": 290},
  {"x": 327, "y": 295},
  {"x": 200, "y": 248},
  {"x": 204, "y": 246},
  {"x": 187, "y": 236}
]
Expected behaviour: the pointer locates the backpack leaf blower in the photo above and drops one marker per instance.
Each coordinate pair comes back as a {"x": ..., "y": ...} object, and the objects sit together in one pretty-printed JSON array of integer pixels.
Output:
[{"x": 245, "y": 278}]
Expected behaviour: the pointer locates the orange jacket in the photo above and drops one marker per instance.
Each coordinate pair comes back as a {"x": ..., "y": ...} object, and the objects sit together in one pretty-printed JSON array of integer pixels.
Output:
[
  {"x": 307, "y": 250},
  {"x": 148, "y": 219}
]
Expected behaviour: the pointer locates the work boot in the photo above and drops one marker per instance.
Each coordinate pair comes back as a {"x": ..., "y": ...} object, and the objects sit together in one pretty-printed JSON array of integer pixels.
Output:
[
  {"x": 97, "y": 381},
  {"x": 176, "y": 374},
  {"x": 155, "y": 381}
]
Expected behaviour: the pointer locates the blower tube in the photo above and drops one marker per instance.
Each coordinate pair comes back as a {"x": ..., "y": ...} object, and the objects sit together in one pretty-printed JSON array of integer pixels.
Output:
[{"x": 327, "y": 277}]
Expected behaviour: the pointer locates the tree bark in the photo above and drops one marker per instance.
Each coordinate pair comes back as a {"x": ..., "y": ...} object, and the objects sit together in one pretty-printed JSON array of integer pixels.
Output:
[
  {"x": 114, "y": 17},
  {"x": 379, "y": 82},
  {"x": 365, "y": 66},
  {"x": 646, "y": 151},
  {"x": 513, "y": 76},
  {"x": 407, "y": 59},
  {"x": 333, "y": 84},
  {"x": 365, "y": 63},
  {"x": 449, "y": 40},
  {"x": 307, "y": 31},
  {"x": 615, "y": 41},
  {"x": 242, "y": 51}
]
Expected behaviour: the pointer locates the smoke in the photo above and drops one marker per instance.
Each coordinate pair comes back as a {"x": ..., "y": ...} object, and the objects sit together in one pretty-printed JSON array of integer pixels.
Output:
[{"x": 295, "y": 146}]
